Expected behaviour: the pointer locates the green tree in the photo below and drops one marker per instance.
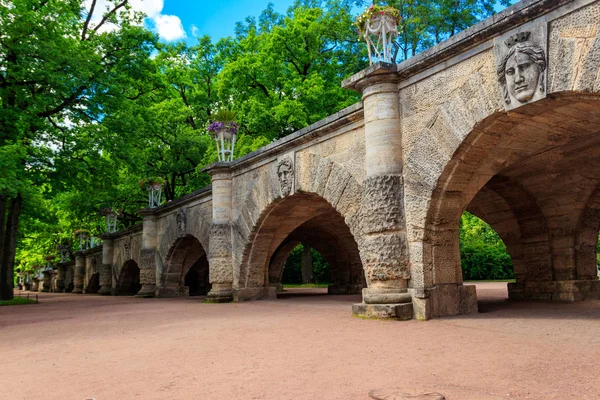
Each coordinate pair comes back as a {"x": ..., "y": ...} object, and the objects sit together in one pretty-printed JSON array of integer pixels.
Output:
[
  {"x": 58, "y": 69},
  {"x": 283, "y": 72}
]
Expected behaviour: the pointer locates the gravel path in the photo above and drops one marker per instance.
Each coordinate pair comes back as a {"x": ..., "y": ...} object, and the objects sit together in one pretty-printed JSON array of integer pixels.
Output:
[{"x": 298, "y": 347}]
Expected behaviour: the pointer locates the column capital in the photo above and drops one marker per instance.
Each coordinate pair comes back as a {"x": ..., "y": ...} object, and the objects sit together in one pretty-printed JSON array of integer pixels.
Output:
[{"x": 377, "y": 74}]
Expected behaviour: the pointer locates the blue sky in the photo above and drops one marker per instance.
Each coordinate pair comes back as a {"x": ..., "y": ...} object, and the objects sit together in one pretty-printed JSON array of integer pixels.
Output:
[{"x": 217, "y": 18}]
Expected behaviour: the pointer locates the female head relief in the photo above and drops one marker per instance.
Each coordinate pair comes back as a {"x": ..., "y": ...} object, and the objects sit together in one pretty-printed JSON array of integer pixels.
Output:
[{"x": 521, "y": 71}]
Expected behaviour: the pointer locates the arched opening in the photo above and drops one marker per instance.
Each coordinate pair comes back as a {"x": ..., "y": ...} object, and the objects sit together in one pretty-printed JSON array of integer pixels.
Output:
[
  {"x": 186, "y": 269},
  {"x": 306, "y": 219},
  {"x": 93, "y": 284},
  {"x": 484, "y": 257},
  {"x": 532, "y": 175},
  {"x": 129, "y": 280},
  {"x": 196, "y": 278}
]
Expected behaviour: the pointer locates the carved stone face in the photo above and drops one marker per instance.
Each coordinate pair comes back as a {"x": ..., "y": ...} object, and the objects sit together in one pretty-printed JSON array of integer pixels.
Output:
[
  {"x": 522, "y": 77},
  {"x": 285, "y": 172}
]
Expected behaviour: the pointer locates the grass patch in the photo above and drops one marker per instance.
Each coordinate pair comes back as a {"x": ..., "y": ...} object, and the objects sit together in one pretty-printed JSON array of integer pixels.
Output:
[
  {"x": 17, "y": 301},
  {"x": 494, "y": 280},
  {"x": 306, "y": 286}
]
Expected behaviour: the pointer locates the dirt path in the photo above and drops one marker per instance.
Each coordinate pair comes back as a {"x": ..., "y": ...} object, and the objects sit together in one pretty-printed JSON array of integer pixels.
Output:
[{"x": 298, "y": 347}]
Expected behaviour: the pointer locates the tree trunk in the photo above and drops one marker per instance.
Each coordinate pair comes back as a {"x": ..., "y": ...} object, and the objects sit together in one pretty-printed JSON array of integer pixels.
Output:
[
  {"x": 306, "y": 265},
  {"x": 9, "y": 229}
]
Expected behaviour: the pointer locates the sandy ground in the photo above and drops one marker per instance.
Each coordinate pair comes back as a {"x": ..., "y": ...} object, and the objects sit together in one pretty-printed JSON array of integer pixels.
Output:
[{"x": 298, "y": 347}]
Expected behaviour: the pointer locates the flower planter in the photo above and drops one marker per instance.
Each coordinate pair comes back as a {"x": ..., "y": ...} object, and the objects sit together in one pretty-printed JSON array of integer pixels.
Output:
[
  {"x": 378, "y": 26},
  {"x": 154, "y": 187},
  {"x": 225, "y": 140}
]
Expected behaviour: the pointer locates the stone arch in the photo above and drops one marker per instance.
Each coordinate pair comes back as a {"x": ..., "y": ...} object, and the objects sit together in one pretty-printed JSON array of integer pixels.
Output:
[
  {"x": 323, "y": 189},
  {"x": 128, "y": 283},
  {"x": 339, "y": 252},
  {"x": 185, "y": 254},
  {"x": 561, "y": 130},
  {"x": 518, "y": 220}
]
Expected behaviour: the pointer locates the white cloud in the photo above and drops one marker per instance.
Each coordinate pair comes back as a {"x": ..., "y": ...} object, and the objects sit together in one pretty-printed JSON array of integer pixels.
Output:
[
  {"x": 194, "y": 30},
  {"x": 168, "y": 27}
]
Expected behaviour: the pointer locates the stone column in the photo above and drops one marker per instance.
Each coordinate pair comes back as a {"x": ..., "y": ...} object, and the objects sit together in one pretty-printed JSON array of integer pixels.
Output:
[
  {"x": 220, "y": 256},
  {"x": 306, "y": 264},
  {"x": 148, "y": 255},
  {"x": 383, "y": 245},
  {"x": 60, "y": 277},
  {"x": 105, "y": 270},
  {"x": 46, "y": 281},
  {"x": 79, "y": 272}
]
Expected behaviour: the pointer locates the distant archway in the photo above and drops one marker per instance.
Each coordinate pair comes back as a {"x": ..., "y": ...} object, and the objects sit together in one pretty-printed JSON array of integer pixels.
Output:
[
  {"x": 186, "y": 269},
  {"x": 93, "y": 284},
  {"x": 129, "y": 279}
]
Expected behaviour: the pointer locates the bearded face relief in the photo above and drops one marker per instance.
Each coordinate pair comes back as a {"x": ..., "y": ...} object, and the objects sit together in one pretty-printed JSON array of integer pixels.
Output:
[
  {"x": 285, "y": 173},
  {"x": 521, "y": 66}
]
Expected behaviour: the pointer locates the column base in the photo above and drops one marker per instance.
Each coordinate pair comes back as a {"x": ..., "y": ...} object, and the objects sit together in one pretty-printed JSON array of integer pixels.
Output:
[
  {"x": 444, "y": 301},
  {"x": 147, "y": 291},
  {"x": 571, "y": 290},
  {"x": 105, "y": 291},
  {"x": 77, "y": 291},
  {"x": 255, "y": 293},
  {"x": 348, "y": 288},
  {"x": 278, "y": 287},
  {"x": 220, "y": 293},
  {"x": 402, "y": 312},
  {"x": 180, "y": 291}
]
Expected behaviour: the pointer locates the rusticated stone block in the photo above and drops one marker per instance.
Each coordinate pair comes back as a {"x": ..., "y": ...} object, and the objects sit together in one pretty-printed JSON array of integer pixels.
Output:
[
  {"x": 220, "y": 254},
  {"x": 382, "y": 208}
]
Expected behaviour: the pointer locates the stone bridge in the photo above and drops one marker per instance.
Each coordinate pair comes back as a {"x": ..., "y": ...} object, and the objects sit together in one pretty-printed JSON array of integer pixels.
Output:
[{"x": 502, "y": 120}]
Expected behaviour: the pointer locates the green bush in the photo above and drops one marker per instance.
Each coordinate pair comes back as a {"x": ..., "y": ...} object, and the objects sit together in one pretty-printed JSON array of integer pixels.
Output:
[
  {"x": 292, "y": 272},
  {"x": 483, "y": 255}
]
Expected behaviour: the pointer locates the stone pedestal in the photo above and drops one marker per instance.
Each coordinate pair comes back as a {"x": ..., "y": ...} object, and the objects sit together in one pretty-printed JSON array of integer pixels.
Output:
[
  {"x": 60, "y": 278},
  {"x": 106, "y": 288},
  {"x": 568, "y": 290},
  {"x": 220, "y": 293},
  {"x": 106, "y": 278},
  {"x": 257, "y": 293},
  {"x": 148, "y": 256},
  {"x": 35, "y": 285},
  {"x": 46, "y": 282},
  {"x": 277, "y": 285},
  {"x": 79, "y": 273}
]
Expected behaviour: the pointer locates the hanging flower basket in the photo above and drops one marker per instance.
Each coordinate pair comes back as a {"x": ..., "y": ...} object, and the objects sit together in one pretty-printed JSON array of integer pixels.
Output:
[
  {"x": 378, "y": 26},
  {"x": 224, "y": 131},
  {"x": 154, "y": 187}
]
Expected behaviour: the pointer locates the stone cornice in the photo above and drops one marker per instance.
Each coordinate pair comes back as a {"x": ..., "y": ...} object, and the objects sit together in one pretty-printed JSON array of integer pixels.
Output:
[
  {"x": 484, "y": 31},
  {"x": 335, "y": 121},
  {"x": 188, "y": 198},
  {"x": 124, "y": 232}
]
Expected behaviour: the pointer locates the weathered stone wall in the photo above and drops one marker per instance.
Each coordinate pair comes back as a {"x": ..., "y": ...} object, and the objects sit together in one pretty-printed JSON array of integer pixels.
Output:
[{"x": 126, "y": 248}]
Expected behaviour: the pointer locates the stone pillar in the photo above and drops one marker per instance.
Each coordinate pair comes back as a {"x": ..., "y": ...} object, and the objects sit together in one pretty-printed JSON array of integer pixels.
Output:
[
  {"x": 220, "y": 256},
  {"x": 46, "y": 281},
  {"x": 60, "y": 277},
  {"x": 383, "y": 245},
  {"x": 79, "y": 272},
  {"x": 105, "y": 270},
  {"x": 148, "y": 256},
  {"x": 306, "y": 264}
]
